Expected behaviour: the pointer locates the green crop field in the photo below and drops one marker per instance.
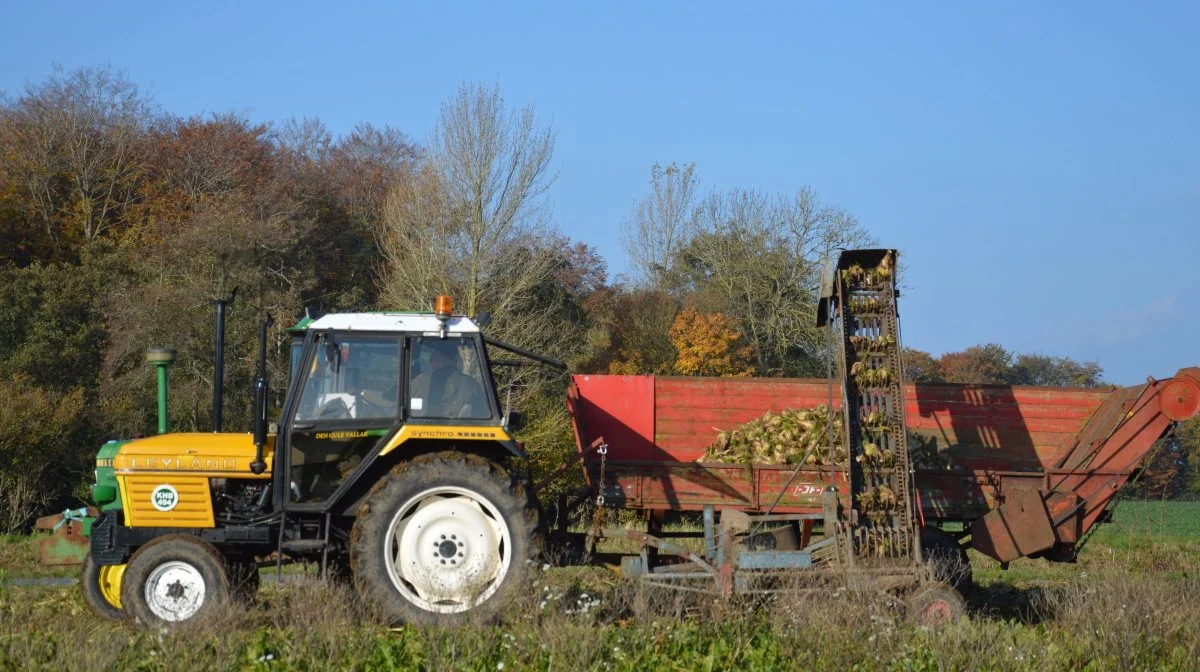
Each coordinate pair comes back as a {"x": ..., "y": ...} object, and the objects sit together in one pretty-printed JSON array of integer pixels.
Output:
[
  {"x": 1179, "y": 520},
  {"x": 1127, "y": 604}
]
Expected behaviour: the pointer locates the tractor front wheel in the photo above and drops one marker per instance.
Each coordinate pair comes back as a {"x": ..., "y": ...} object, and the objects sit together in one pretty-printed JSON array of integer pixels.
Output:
[
  {"x": 101, "y": 586},
  {"x": 175, "y": 579},
  {"x": 442, "y": 538}
]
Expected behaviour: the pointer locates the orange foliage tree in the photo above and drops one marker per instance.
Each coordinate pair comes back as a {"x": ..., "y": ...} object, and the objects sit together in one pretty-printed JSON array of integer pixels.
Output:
[{"x": 708, "y": 346}]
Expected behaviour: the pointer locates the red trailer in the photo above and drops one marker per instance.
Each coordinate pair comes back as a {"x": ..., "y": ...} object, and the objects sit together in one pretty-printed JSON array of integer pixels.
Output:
[
  {"x": 1026, "y": 471},
  {"x": 1031, "y": 469}
]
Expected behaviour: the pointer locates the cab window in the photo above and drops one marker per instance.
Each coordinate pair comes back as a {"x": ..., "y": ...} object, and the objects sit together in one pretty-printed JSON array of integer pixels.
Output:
[
  {"x": 352, "y": 378},
  {"x": 447, "y": 380}
]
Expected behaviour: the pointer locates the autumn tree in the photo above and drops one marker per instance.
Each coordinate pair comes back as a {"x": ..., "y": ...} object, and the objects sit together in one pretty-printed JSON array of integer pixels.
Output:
[
  {"x": 74, "y": 148},
  {"x": 245, "y": 242},
  {"x": 52, "y": 324},
  {"x": 473, "y": 220},
  {"x": 366, "y": 164},
  {"x": 988, "y": 364},
  {"x": 1054, "y": 371},
  {"x": 1189, "y": 439},
  {"x": 342, "y": 183},
  {"x": 120, "y": 225},
  {"x": 661, "y": 222},
  {"x": 708, "y": 346},
  {"x": 921, "y": 367},
  {"x": 36, "y": 451},
  {"x": 758, "y": 260},
  {"x": 992, "y": 364},
  {"x": 637, "y": 334},
  {"x": 1169, "y": 469}
]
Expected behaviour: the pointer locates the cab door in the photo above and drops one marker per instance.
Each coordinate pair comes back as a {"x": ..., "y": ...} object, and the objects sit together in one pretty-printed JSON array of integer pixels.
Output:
[{"x": 348, "y": 403}]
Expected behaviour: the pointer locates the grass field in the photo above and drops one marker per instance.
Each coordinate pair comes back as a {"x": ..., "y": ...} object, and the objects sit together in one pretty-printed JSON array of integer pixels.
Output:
[{"x": 1128, "y": 604}]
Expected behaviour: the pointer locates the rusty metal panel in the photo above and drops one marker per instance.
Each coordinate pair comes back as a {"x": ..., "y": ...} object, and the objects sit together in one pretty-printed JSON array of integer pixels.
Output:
[
  {"x": 68, "y": 543},
  {"x": 954, "y": 495},
  {"x": 1115, "y": 441},
  {"x": 1065, "y": 515},
  {"x": 1019, "y": 527}
]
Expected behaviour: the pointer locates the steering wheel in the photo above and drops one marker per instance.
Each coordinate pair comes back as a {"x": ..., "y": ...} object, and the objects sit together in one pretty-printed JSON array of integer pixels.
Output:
[{"x": 333, "y": 409}]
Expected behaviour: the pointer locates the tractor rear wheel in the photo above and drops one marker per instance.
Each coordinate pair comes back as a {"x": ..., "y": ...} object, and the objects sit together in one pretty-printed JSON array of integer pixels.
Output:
[
  {"x": 175, "y": 579},
  {"x": 443, "y": 538},
  {"x": 101, "y": 586}
]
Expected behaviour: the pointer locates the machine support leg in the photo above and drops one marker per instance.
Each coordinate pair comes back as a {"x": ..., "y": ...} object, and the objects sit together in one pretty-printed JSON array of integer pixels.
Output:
[
  {"x": 725, "y": 558},
  {"x": 654, "y": 529},
  {"x": 710, "y": 535}
]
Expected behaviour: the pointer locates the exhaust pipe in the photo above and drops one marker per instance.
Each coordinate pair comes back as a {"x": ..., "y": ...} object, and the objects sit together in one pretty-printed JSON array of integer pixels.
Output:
[
  {"x": 219, "y": 361},
  {"x": 258, "y": 466}
]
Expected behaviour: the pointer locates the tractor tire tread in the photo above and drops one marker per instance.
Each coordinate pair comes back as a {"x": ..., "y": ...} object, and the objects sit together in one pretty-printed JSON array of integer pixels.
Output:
[
  {"x": 430, "y": 470},
  {"x": 89, "y": 584},
  {"x": 219, "y": 589}
]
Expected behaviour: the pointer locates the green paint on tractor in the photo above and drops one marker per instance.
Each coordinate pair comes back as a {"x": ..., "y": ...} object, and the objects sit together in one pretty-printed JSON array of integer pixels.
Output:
[{"x": 105, "y": 492}]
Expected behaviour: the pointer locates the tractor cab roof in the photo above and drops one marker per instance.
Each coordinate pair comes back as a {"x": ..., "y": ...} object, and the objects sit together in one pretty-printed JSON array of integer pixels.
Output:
[{"x": 387, "y": 321}]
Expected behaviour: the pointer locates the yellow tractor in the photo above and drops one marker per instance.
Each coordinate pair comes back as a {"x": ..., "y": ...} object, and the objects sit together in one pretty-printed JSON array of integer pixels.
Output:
[{"x": 390, "y": 459}]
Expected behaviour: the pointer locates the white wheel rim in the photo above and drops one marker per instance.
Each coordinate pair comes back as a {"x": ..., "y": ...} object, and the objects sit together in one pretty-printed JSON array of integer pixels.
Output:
[
  {"x": 447, "y": 549},
  {"x": 175, "y": 591}
]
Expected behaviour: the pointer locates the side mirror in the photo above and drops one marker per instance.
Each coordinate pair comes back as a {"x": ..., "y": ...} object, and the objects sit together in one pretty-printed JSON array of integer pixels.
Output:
[
  {"x": 515, "y": 421},
  {"x": 483, "y": 319}
]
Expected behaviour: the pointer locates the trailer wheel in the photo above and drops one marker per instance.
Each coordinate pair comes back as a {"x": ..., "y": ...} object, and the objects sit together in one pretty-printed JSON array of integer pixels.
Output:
[
  {"x": 101, "y": 586},
  {"x": 950, "y": 562},
  {"x": 442, "y": 538},
  {"x": 937, "y": 606},
  {"x": 175, "y": 579}
]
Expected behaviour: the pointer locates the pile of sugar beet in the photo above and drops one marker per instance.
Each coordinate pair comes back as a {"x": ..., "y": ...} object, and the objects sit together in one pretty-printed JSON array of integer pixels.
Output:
[{"x": 792, "y": 436}]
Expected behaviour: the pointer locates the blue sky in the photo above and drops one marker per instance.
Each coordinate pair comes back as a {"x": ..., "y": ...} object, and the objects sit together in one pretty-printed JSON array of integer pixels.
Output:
[{"x": 1038, "y": 164}]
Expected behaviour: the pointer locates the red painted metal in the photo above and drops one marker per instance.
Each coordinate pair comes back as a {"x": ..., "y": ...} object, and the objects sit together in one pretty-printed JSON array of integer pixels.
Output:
[
  {"x": 1070, "y": 449},
  {"x": 618, "y": 408},
  {"x": 1018, "y": 527},
  {"x": 1181, "y": 397},
  {"x": 1117, "y": 440}
]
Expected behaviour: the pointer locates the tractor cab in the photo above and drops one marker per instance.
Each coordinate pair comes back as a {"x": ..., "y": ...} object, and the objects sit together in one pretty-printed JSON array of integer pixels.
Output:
[{"x": 360, "y": 380}]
